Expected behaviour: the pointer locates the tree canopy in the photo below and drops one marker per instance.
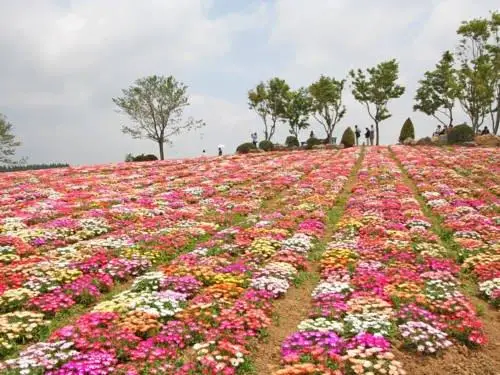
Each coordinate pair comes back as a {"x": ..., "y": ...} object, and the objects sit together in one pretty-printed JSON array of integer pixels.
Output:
[
  {"x": 327, "y": 105},
  {"x": 296, "y": 110},
  {"x": 156, "y": 105},
  {"x": 375, "y": 88},
  {"x": 439, "y": 90},
  {"x": 8, "y": 142},
  {"x": 268, "y": 100}
]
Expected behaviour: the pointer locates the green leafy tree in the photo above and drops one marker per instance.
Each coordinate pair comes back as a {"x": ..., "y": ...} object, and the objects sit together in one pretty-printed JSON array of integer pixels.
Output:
[
  {"x": 494, "y": 52},
  {"x": 328, "y": 109},
  {"x": 375, "y": 87},
  {"x": 267, "y": 100},
  {"x": 439, "y": 90},
  {"x": 8, "y": 142},
  {"x": 407, "y": 131},
  {"x": 296, "y": 110},
  {"x": 156, "y": 105},
  {"x": 479, "y": 75}
]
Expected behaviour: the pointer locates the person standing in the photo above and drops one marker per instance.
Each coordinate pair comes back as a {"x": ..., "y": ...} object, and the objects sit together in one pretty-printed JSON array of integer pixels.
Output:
[
  {"x": 372, "y": 135},
  {"x": 220, "y": 151},
  {"x": 254, "y": 139},
  {"x": 357, "y": 133},
  {"x": 311, "y": 135},
  {"x": 367, "y": 136}
]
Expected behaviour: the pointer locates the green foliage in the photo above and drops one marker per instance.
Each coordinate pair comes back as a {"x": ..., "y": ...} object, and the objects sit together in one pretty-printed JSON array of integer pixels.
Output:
[
  {"x": 141, "y": 157},
  {"x": 296, "y": 110},
  {"x": 476, "y": 93},
  {"x": 327, "y": 104},
  {"x": 311, "y": 142},
  {"x": 155, "y": 104},
  {"x": 439, "y": 90},
  {"x": 479, "y": 73},
  {"x": 268, "y": 100},
  {"x": 31, "y": 167},
  {"x": 8, "y": 143},
  {"x": 348, "y": 138},
  {"x": 460, "y": 134},
  {"x": 266, "y": 145},
  {"x": 375, "y": 88},
  {"x": 407, "y": 131},
  {"x": 424, "y": 141},
  {"x": 245, "y": 148},
  {"x": 292, "y": 141}
]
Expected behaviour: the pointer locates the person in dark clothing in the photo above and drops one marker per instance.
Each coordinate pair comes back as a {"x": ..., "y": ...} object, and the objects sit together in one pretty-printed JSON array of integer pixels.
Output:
[
  {"x": 357, "y": 133},
  {"x": 367, "y": 136},
  {"x": 485, "y": 131},
  {"x": 220, "y": 151},
  {"x": 311, "y": 135},
  {"x": 254, "y": 139}
]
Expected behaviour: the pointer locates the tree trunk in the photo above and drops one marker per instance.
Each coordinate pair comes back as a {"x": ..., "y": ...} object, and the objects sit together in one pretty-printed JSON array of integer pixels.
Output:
[
  {"x": 376, "y": 127},
  {"x": 162, "y": 155},
  {"x": 497, "y": 120}
]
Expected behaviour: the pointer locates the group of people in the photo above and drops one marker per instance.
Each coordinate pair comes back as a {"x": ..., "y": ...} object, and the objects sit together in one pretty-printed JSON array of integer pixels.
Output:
[
  {"x": 447, "y": 129},
  {"x": 442, "y": 130},
  {"x": 369, "y": 135},
  {"x": 484, "y": 131}
]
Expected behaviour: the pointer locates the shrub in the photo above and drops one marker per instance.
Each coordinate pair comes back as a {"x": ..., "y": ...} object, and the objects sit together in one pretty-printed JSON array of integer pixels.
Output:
[
  {"x": 407, "y": 131},
  {"x": 245, "y": 148},
  {"x": 424, "y": 141},
  {"x": 313, "y": 142},
  {"x": 31, "y": 167},
  {"x": 292, "y": 141},
  {"x": 141, "y": 157},
  {"x": 460, "y": 134},
  {"x": 266, "y": 145},
  {"x": 348, "y": 138}
]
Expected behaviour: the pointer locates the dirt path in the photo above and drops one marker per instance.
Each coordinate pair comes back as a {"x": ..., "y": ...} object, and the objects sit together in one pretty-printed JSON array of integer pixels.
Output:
[
  {"x": 296, "y": 305},
  {"x": 459, "y": 359}
]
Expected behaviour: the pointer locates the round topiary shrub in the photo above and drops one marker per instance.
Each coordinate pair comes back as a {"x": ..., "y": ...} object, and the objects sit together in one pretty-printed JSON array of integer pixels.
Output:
[
  {"x": 407, "y": 131},
  {"x": 245, "y": 148},
  {"x": 460, "y": 134},
  {"x": 424, "y": 141},
  {"x": 291, "y": 141},
  {"x": 348, "y": 138},
  {"x": 142, "y": 157},
  {"x": 313, "y": 142},
  {"x": 266, "y": 145}
]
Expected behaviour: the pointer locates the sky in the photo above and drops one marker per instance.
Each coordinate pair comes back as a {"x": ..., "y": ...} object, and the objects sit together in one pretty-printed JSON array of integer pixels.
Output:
[{"x": 62, "y": 62}]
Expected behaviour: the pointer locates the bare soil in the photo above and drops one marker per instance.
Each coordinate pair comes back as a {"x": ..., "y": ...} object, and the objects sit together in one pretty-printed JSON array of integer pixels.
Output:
[
  {"x": 290, "y": 311},
  {"x": 460, "y": 360}
]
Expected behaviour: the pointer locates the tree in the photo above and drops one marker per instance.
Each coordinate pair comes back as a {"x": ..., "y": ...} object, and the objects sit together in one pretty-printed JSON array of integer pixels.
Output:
[
  {"x": 479, "y": 74},
  {"x": 8, "y": 142},
  {"x": 439, "y": 90},
  {"x": 156, "y": 104},
  {"x": 375, "y": 88},
  {"x": 267, "y": 99},
  {"x": 327, "y": 103},
  {"x": 494, "y": 53},
  {"x": 296, "y": 110},
  {"x": 407, "y": 131}
]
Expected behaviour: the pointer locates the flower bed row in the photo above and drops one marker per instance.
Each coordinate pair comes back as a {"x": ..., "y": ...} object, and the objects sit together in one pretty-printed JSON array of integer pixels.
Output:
[
  {"x": 192, "y": 300},
  {"x": 35, "y": 288},
  {"x": 468, "y": 211},
  {"x": 481, "y": 165},
  {"x": 386, "y": 282}
]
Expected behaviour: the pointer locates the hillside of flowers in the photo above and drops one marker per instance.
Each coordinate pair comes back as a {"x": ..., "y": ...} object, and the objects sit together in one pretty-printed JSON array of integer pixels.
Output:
[{"x": 175, "y": 267}]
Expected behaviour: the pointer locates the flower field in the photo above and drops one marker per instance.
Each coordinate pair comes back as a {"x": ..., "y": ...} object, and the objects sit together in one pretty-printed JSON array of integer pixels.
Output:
[{"x": 175, "y": 267}]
